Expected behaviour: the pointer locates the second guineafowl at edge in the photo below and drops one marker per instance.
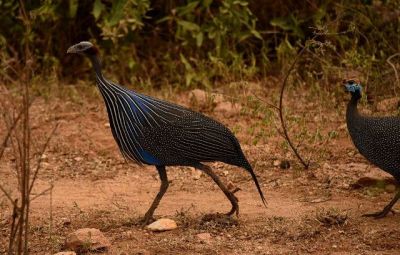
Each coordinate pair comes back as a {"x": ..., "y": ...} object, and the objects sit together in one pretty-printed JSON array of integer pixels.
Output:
[
  {"x": 155, "y": 132},
  {"x": 376, "y": 138}
]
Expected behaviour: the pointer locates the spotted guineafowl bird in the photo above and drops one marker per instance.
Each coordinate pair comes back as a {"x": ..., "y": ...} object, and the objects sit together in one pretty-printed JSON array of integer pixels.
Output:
[
  {"x": 155, "y": 132},
  {"x": 376, "y": 138}
]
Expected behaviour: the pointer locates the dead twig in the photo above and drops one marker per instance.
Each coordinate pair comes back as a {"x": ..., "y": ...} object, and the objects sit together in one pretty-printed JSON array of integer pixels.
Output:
[
  {"x": 265, "y": 102},
  {"x": 13, "y": 226},
  {"x": 45, "y": 145},
  {"x": 11, "y": 129},
  {"x": 42, "y": 193},
  {"x": 7, "y": 194},
  {"x": 280, "y": 108}
]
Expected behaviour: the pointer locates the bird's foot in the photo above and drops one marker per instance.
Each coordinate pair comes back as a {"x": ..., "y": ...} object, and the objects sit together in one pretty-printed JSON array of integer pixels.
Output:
[
  {"x": 379, "y": 215},
  {"x": 235, "y": 205},
  {"x": 147, "y": 220}
]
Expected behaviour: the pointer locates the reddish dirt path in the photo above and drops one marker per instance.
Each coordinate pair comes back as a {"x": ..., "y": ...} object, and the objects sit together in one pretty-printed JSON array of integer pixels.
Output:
[{"x": 94, "y": 187}]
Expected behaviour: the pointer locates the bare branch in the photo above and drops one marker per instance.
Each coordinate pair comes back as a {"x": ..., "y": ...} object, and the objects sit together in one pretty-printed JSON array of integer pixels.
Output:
[
  {"x": 7, "y": 194},
  {"x": 11, "y": 129},
  {"x": 283, "y": 124},
  {"x": 42, "y": 193},
  {"x": 265, "y": 102},
  {"x": 13, "y": 227},
  {"x": 41, "y": 157}
]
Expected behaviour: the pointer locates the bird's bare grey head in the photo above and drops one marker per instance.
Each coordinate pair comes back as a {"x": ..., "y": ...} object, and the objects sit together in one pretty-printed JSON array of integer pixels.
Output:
[{"x": 83, "y": 47}]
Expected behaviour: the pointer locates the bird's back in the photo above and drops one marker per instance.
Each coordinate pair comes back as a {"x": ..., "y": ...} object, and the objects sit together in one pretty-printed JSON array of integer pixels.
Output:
[
  {"x": 152, "y": 131},
  {"x": 377, "y": 139},
  {"x": 192, "y": 138}
]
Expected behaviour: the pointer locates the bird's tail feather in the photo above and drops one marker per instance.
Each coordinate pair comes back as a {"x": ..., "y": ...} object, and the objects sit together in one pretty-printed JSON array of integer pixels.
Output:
[{"x": 253, "y": 175}]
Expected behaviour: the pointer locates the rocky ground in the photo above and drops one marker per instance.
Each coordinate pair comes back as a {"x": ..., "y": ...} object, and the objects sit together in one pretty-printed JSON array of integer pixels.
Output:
[{"x": 314, "y": 211}]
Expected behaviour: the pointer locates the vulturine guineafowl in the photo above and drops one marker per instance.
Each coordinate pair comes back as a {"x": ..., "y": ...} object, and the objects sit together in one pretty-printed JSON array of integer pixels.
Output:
[
  {"x": 376, "y": 138},
  {"x": 155, "y": 132}
]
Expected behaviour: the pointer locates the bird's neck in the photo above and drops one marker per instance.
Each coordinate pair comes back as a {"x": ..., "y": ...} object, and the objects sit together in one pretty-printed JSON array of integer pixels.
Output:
[
  {"x": 352, "y": 110},
  {"x": 96, "y": 63}
]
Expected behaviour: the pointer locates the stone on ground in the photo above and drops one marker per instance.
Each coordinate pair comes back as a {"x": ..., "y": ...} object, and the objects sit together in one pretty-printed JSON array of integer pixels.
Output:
[
  {"x": 162, "y": 225},
  {"x": 206, "y": 237},
  {"x": 87, "y": 239}
]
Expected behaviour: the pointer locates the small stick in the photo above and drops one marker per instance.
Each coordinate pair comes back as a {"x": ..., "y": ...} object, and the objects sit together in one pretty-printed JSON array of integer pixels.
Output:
[
  {"x": 283, "y": 124},
  {"x": 13, "y": 227}
]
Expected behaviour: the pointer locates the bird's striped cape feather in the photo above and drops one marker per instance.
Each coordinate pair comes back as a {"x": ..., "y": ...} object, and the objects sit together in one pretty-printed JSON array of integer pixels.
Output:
[{"x": 131, "y": 114}]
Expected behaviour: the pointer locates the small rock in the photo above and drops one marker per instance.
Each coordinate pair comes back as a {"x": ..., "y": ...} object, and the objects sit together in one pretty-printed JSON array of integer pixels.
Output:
[
  {"x": 107, "y": 125},
  {"x": 77, "y": 159},
  {"x": 390, "y": 104},
  {"x": 87, "y": 239},
  {"x": 65, "y": 253},
  {"x": 204, "y": 237},
  {"x": 276, "y": 162},
  {"x": 162, "y": 225},
  {"x": 197, "y": 174},
  {"x": 390, "y": 188}
]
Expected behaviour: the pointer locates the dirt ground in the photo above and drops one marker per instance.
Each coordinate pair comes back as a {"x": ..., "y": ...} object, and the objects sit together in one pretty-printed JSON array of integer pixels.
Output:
[{"x": 315, "y": 211}]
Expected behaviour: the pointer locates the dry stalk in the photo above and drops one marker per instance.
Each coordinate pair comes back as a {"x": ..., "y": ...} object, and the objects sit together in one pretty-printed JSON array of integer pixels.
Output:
[
  {"x": 396, "y": 74},
  {"x": 18, "y": 134},
  {"x": 280, "y": 107}
]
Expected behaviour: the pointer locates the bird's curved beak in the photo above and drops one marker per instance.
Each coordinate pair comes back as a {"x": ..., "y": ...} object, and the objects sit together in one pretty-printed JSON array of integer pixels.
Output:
[{"x": 71, "y": 49}]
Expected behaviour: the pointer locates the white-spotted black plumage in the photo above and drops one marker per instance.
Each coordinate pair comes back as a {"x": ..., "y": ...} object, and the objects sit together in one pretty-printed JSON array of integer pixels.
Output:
[
  {"x": 376, "y": 138},
  {"x": 155, "y": 132}
]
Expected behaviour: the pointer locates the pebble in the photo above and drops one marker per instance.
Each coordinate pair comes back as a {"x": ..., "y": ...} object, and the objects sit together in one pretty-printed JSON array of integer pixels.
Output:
[
  {"x": 276, "y": 162},
  {"x": 162, "y": 225},
  {"x": 197, "y": 174},
  {"x": 90, "y": 239},
  {"x": 77, "y": 159},
  {"x": 390, "y": 188},
  {"x": 204, "y": 237}
]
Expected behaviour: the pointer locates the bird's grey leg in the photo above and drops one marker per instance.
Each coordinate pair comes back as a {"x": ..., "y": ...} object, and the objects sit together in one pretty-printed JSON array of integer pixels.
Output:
[
  {"x": 163, "y": 188},
  {"x": 232, "y": 198},
  {"x": 385, "y": 210}
]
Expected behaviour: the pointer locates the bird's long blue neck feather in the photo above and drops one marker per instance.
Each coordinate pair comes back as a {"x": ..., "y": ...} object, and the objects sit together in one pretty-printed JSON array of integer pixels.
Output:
[{"x": 96, "y": 63}]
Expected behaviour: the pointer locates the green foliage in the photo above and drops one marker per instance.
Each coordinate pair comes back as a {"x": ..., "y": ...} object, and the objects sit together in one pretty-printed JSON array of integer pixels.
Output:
[{"x": 200, "y": 42}]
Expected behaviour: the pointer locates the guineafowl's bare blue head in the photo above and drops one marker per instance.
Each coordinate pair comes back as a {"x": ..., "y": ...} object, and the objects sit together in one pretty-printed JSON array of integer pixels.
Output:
[
  {"x": 353, "y": 87},
  {"x": 84, "y": 48}
]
